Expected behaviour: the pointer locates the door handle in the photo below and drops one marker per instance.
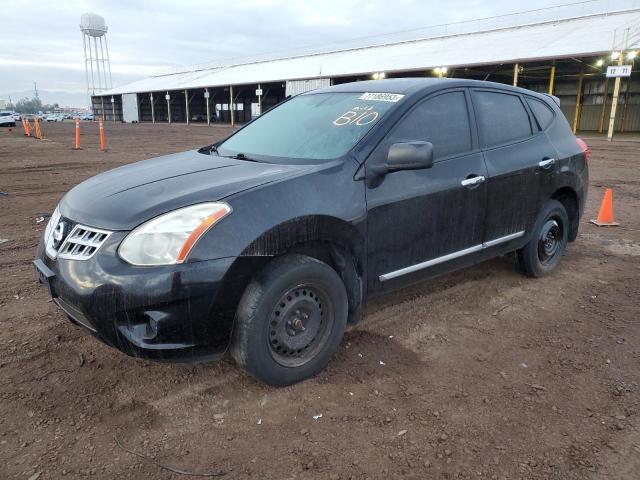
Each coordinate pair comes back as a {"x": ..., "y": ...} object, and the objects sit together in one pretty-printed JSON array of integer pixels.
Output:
[
  {"x": 470, "y": 182},
  {"x": 547, "y": 163}
]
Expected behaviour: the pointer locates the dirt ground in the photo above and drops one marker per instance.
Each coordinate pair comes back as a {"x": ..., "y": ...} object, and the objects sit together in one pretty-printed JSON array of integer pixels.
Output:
[{"x": 479, "y": 374}]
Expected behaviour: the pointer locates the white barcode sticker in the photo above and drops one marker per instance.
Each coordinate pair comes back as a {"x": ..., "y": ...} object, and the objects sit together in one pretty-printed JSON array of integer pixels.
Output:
[{"x": 381, "y": 97}]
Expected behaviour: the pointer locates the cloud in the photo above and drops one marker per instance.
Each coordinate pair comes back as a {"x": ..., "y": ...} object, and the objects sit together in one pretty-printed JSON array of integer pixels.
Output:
[{"x": 146, "y": 36}]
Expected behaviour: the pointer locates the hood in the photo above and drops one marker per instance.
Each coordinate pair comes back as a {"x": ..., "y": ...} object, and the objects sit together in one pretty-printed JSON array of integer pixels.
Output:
[{"x": 123, "y": 198}]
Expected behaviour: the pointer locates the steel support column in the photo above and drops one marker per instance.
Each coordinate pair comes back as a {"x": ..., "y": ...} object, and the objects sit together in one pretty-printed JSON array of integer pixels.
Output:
[
  {"x": 153, "y": 110},
  {"x": 206, "y": 97},
  {"x": 624, "y": 107},
  {"x": 168, "y": 108},
  {"x": 576, "y": 114},
  {"x": 552, "y": 77},
  {"x": 604, "y": 106},
  {"x": 186, "y": 105},
  {"x": 516, "y": 67},
  {"x": 231, "y": 104}
]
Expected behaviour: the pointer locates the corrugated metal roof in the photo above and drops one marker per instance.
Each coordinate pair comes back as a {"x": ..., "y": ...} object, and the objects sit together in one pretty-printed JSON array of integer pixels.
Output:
[{"x": 577, "y": 37}]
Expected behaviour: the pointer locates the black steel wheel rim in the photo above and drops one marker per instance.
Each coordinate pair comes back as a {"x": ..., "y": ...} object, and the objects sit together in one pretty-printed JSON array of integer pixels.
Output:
[
  {"x": 550, "y": 241},
  {"x": 300, "y": 325}
]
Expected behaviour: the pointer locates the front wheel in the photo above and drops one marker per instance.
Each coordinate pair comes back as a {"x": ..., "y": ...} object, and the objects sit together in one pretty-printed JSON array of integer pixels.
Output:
[
  {"x": 290, "y": 320},
  {"x": 542, "y": 254}
]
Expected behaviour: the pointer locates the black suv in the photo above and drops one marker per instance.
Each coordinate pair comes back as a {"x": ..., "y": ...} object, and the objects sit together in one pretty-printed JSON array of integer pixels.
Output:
[{"x": 269, "y": 242}]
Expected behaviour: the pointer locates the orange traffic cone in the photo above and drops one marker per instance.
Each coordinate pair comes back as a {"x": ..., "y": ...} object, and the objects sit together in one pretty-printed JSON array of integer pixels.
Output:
[
  {"x": 38, "y": 131},
  {"x": 77, "y": 147},
  {"x": 101, "y": 128},
  {"x": 605, "y": 215}
]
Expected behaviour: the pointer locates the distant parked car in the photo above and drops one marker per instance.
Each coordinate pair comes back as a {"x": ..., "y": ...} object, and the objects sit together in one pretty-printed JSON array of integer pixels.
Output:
[
  {"x": 17, "y": 117},
  {"x": 55, "y": 117},
  {"x": 87, "y": 116},
  {"x": 7, "y": 120}
]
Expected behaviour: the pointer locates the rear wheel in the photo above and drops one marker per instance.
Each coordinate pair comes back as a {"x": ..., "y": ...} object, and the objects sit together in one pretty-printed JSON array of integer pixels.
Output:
[
  {"x": 542, "y": 254},
  {"x": 290, "y": 320}
]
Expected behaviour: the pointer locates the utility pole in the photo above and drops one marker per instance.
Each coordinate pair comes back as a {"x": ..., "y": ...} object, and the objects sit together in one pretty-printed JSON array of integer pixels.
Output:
[{"x": 616, "y": 89}]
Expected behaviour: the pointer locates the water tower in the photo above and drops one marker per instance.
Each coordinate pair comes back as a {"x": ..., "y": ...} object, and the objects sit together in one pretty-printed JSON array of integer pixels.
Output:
[{"x": 96, "y": 57}]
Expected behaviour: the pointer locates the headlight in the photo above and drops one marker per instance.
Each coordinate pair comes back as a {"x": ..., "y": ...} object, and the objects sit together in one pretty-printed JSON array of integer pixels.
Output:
[
  {"x": 169, "y": 238},
  {"x": 51, "y": 224}
]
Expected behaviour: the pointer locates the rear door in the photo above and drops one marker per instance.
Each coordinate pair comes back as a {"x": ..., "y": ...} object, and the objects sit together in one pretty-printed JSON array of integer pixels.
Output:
[
  {"x": 428, "y": 221},
  {"x": 521, "y": 163}
]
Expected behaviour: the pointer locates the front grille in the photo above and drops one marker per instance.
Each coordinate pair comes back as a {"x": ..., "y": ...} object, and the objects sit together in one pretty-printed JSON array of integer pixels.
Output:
[{"x": 82, "y": 243}]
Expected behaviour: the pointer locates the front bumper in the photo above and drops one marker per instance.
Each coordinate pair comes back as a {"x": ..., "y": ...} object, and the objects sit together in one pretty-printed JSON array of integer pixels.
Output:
[{"x": 160, "y": 313}]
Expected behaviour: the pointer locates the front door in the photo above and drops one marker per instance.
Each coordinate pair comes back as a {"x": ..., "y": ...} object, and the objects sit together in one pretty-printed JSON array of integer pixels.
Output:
[{"x": 428, "y": 221}]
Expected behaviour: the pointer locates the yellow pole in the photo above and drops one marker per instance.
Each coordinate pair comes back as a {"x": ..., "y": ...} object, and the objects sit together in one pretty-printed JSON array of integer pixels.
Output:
[
  {"x": 604, "y": 105},
  {"x": 614, "y": 101},
  {"x": 515, "y": 74},
  {"x": 576, "y": 114},
  {"x": 552, "y": 78}
]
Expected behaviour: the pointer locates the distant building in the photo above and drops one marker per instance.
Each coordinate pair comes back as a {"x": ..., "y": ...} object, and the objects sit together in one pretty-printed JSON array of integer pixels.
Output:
[
  {"x": 4, "y": 104},
  {"x": 549, "y": 50}
]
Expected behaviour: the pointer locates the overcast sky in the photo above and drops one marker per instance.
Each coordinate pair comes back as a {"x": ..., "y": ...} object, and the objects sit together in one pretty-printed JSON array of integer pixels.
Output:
[{"x": 41, "y": 41}]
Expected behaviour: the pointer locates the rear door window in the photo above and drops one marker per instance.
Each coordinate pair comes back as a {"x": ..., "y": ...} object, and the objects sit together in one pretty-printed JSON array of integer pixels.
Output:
[
  {"x": 442, "y": 120},
  {"x": 542, "y": 112},
  {"x": 502, "y": 118}
]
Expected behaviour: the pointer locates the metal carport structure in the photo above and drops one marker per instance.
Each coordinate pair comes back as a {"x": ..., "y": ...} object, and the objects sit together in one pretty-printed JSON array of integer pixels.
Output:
[{"x": 544, "y": 50}]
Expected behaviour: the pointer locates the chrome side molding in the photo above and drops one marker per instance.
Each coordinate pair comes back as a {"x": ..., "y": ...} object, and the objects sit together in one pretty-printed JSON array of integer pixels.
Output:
[{"x": 450, "y": 256}]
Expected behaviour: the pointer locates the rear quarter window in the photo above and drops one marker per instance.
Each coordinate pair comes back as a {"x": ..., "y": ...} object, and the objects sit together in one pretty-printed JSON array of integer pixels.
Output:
[
  {"x": 502, "y": 118},
  {"x": 543, "y": 113}
]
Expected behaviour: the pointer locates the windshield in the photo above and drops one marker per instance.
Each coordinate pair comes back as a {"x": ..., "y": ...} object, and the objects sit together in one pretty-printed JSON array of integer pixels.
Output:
[{"x": 312, "y": 127}]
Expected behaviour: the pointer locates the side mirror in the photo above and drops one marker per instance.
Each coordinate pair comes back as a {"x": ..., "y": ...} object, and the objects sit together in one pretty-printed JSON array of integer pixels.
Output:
[
  {"x": 410, "y": 156},
  {"x": 405, "y": 156}
]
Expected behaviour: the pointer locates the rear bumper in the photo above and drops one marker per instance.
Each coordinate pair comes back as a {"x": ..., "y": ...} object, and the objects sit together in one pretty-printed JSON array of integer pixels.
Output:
[{"x": 159, "y": 313}]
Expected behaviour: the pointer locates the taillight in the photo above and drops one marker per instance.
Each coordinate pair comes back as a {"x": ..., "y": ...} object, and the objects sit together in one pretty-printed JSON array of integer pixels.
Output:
[{"x": 584, "y": 147}]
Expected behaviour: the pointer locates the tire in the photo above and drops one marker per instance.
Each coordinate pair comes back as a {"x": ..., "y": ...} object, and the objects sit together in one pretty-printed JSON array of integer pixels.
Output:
[
  {"x": 290, "y": 320},
  {"x": 548, "y": 242}
]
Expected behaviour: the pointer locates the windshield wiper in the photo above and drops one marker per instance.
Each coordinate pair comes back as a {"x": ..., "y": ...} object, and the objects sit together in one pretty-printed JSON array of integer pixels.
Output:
[{"x": 242, "y": 156}]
